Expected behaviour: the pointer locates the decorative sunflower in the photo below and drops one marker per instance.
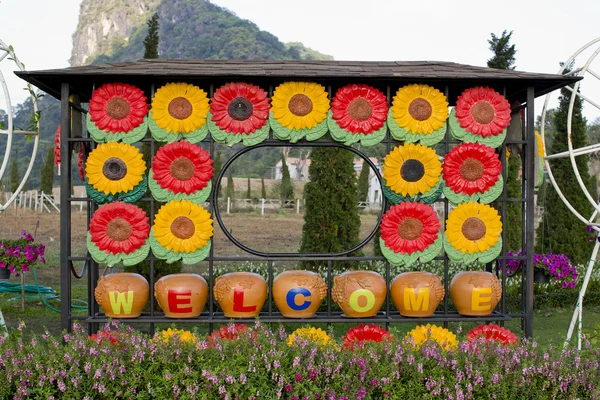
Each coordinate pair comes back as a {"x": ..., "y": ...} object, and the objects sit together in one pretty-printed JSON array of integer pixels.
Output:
[
  {"x": 418, "y": 114},
  {"x": 181, "y": 231},
  {"x": 481, "y": 115},
  {"x": 425, "y": 333},
  {"x": 181, "y": 171},
  {"x": 315, "y": 336},
  {"x": 179, "y": 111},
  {"x": 412, "y": 172},
  {"x": 118, "y": 233},
  {"x": 117, "y": 112},
  {"x": 115, "y": 171},
  {"x": 540, "y": 158},
  {"x": 410, "y": 231},
  {"x": 358, "y": 113},
  {"x": 473, "y": 232},
  {"x": 299, "y": 109},
  {"x": 239, "y": 112},
  {"x": 472, "y": 172},
  {"x": 492, "y": 333}
]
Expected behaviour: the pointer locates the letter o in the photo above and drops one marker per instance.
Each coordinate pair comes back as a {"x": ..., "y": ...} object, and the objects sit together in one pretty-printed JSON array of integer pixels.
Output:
[{"x": 353, "y": 300}]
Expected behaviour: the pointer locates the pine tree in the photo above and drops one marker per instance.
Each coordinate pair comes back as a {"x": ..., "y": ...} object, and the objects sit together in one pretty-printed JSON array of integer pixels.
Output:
[
  {"x": 363, "y": 182},
  {"x": 47, "y": 173},
  {"x": 560, "y": 231},
  {"x": 263, "y": 190},
  {"x": 230, "y": 191},
  {"x": 286, "y": 189},
  {"x": 152, "y": 39},
  {"x": 504, "y": 53},
  {"x": 249, "y": 192},
  {"x": 14, "y": 176},
  {"x": 331, "y": 220}
]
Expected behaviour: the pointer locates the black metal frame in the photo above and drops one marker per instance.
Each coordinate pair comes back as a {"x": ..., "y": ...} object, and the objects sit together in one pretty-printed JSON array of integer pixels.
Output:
[{"x": 94, "y": 317}]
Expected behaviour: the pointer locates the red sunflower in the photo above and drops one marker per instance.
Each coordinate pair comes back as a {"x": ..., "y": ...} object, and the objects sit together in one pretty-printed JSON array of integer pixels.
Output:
[
  {"x": 483, "y": 111},
  {"x": 471, "y": 168},
  {"x": 492, "y": 332},
  {"x": 119, "y": 228},
  {"x": 409, "y": 227},
  {"x": 365, "y": 333},
  {"x": 359, "y": 108},
  {"x": 182, "y": 167},
  {"x": 240, "y": 108},
  {"x": 118, "y": 107}
]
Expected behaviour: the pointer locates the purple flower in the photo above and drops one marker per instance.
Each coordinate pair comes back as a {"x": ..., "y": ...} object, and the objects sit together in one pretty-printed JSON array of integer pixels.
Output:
[
  {"x": 11, "y": 268},
  {"x": 2, "y": 264},
  {"x": 24, "y": 267}
]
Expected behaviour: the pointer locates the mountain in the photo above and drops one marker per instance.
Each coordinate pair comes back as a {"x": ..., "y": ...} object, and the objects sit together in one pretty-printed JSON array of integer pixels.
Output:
[{"x": 114, "y": 30}]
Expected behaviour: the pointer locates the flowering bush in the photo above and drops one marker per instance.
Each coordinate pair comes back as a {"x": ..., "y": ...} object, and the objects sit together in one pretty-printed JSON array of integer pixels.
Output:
[
  {"x": 432, "y": 333},
  {"x": 20, "y": 254},
  {"x": 357, "y": 336},
  {"x": 313, "y": 335},
  {"x": 267, "y": 368},
  {"x": 492, "y": 332},
  {"x": 557, "y": 266}
]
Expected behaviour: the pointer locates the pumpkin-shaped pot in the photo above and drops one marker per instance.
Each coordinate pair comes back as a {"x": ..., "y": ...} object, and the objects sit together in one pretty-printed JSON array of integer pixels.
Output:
[
  {"x": 475, "y": 293},
  {"x": 240, "y": 294},
  {"x": 122, "y": 295},
  {"x": 298, "y": 294},
  {"x": 181, "y": 295},
  {"x": 417, "y": 294},
  {"x": 359, "y": 293}
]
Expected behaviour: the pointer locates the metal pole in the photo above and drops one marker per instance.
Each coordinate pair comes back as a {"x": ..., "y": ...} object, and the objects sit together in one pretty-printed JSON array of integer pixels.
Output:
[
  {"x": 65, "y": 210},
  {"x": 297, "y": 206},
  {"x": 228, "y": 205},
  {"x": 529, "y": 210},
  {"x": 262, "y": 207}
]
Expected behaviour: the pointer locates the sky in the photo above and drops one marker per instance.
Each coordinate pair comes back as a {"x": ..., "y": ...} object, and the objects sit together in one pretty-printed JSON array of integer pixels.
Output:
[{"x": 545, "y": 32}]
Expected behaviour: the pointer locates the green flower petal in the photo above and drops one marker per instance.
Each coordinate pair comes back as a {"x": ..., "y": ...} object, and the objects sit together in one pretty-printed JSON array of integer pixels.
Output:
[
  {"x": 409, "y": 259},
  {"x": 102, "y": 136},
  {"x": 404, "y": 135},
  {"x": 164, "y": 195},
  {"x": 429, "y": 197},
  {"x": 103, "y": 257},
  {"x": 461, "y": 134},
  {"x": 170, "y": 256},
  {"x": 293, "y": 135},
  {"x": 162, "y": 135},
  {"x": 221, "y": 136},
  {"x": 482, "y": 257},
  {"x": 130, "y": 197},
  {"x": 486, "y": 197},
  {"x": 348, "y": 138}
]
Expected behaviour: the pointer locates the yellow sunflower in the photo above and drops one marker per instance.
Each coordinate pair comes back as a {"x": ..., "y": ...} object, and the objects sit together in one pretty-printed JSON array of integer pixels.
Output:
[
  {"x": 420, "y": 108},
  {"x": 115, "y": 167},
  {"x": 412, "y": 169},
  {"x": 182, "y": 226},
  {"x": 540, "y": 144},
  {"x": 423, "y": 333},
  {"x": 300, "y": 105},
  {"x": 473, "y": 227},
  {"x": 180, "y": 107}
]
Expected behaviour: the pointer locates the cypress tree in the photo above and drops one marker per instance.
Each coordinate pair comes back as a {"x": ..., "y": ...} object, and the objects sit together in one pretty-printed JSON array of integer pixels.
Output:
[
  {"x": 47, "y": 173},
  {"x": 363, "y": 182},
  {"x": 217, "y": 166},
  {"x": 263, "y": 190},
  {"x": 249, "y": 192},
  {"x": 504, "y": 52},
  {"x": 286, "y": 189},
  {"x": 331, "y": 219},
  {"x": 560, "y": 231},
  {"x": 152, "y": 39},
  {"x": 14, "y": 175},
  {"x": 230, "y": 191}
]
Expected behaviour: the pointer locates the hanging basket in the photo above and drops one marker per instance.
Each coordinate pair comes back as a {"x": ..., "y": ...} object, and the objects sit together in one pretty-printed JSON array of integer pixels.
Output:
[{"x": 539, "y": 276}]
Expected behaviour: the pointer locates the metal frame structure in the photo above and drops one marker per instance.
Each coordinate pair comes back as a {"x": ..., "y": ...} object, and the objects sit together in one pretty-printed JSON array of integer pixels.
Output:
[{"x": 61, "y": 84}]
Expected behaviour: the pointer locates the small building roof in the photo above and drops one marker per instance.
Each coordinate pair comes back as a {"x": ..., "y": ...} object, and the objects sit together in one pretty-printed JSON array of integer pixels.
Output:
[{"x": 456, "y": 77}]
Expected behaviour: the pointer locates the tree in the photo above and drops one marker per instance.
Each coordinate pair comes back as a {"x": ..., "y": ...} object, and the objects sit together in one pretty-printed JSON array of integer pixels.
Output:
[
  {"x": 152, "y": 39},
  {"x": 249, "y": 192},
  {"x": 47, "y": 173},
  {"x": 331, "y": 220},
  {"x": 560, "y": 231},
  {"x": 286, "y": 189},
  {"x": 263, "y": 191},
  {"x": 363, "y": 182},
  {"x": 230, "y": 191},
  {"x": 504, "y": 53},
  {"x": 14, "y": 175}
]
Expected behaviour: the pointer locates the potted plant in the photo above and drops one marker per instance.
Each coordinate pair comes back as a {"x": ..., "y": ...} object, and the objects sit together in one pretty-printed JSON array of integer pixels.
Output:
[
  {"x": 18, "y": 255},
  {"x": 549, "y": 267}
]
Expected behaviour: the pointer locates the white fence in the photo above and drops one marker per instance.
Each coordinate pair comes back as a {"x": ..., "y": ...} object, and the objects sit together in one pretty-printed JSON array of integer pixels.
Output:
[{"x": 34, "y": 200}]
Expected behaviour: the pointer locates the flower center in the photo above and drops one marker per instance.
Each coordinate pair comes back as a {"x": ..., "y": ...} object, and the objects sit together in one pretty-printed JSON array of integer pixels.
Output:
[
  {"x": 471, "y": 169},
  {"x": 117, "y": 108},
  {"x": 240, "y": 108},
  {"x": 360, "y": 109},
  {"x": 180, "y": 108},
  {"x": 483, "y": 112},
  {"x": 410, "y": 228},
  {"x": 183, "y": 227},
  {"x": 182, "y": 168},
  {"x": 114, "y": 169},
  {"x": 473, "y": 228},
  {"x": 412, "y": 170},
  {"x": 300, "y": 105},
  {"x": 118, "y": 229},
  {"x": 419, "y": 109}
]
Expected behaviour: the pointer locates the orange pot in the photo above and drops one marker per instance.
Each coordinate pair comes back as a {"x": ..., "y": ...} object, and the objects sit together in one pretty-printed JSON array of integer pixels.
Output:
[
  {"x": 298, "y": 294},
  {"x": 475, "y": 293},
  {"x": 359, "y": 293},
  {"x": 122, "y": 295},
  {"x": 417, "y": 294},
  {"x": 181, "y": 295},
  {"x": 240, "y": 294}
]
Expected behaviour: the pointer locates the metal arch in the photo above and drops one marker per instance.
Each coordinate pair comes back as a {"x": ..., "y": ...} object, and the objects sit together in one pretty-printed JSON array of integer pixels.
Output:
[
  {"x": 10, "y": 131},
  {"x": 217, "y": 213}
]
